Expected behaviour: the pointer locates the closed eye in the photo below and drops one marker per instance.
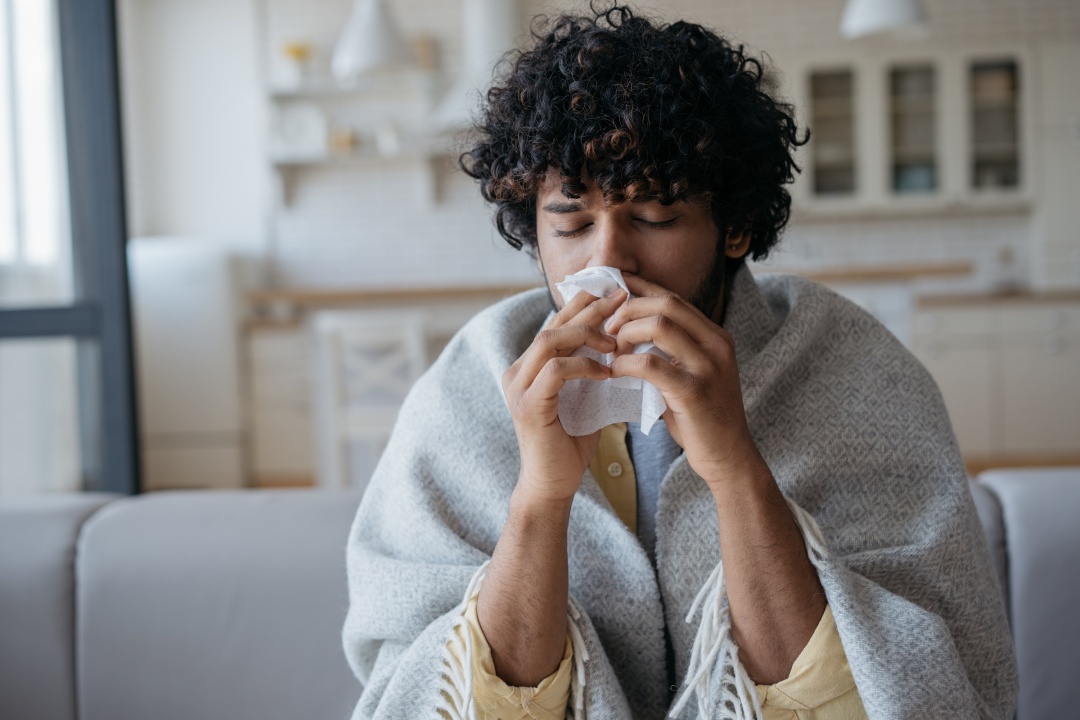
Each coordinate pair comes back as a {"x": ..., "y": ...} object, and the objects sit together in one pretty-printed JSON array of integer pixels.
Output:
[
  {"x": 569, "y": 233},
  {"x": 659, "y": 223},
  {"x": 651, "y": 223}
]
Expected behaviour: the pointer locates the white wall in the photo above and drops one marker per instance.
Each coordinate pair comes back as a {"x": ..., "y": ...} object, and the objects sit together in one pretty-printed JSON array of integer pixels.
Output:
[{"x": 194, "y": 119}]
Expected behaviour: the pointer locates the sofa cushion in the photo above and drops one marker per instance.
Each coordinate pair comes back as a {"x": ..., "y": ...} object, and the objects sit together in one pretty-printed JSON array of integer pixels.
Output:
[
  {"x": 1040, "y": 508},
  {"x": 216, "y": 604},
  {"x": 37, "y": 596}
]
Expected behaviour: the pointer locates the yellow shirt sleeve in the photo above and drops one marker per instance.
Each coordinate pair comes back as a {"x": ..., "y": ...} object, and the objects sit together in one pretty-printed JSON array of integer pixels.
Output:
[
  {"x": 495, "y": 700},
  {"x": 820, "y": 685}
]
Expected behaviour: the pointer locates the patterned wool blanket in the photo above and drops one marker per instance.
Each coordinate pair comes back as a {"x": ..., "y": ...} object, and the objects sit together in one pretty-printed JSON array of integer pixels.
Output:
[{"x": 858, "y": 439}]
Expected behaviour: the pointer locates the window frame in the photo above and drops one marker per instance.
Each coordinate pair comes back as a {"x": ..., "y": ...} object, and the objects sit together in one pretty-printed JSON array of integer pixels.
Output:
[{"x": 99, "y": 319}]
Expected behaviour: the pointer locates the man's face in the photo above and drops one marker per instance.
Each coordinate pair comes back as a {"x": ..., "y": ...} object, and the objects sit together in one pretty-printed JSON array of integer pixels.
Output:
[{"x": 675, "y": 246}]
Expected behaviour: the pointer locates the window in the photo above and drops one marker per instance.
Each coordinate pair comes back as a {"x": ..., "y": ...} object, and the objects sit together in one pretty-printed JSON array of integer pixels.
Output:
[
  {"x": 33, "y": 202},
  {"x": 67, "y": 418}
]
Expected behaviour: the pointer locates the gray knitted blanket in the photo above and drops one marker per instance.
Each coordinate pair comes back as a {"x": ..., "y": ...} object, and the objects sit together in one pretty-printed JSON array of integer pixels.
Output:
[{"x": 857, "y": 437}]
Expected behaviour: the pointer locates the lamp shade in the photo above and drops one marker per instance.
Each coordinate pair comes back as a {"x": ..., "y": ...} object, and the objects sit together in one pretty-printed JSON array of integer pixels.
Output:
[
  {"x": 371, "y": 39},
  {"x": 866, "y": 17}
]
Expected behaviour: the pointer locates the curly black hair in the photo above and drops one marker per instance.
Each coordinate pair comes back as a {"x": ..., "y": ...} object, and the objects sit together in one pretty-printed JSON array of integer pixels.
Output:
[{"x": 647, "y": 112}]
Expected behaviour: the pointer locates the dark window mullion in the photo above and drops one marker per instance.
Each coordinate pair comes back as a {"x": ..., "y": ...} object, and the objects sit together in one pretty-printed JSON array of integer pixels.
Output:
[
  {"x": 98, "y": 235},
  {"x": 79, "y": 320}
]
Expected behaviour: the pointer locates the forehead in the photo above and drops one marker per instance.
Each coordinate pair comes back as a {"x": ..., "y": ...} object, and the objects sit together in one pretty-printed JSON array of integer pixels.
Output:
[{"x": 551, "y": 190}]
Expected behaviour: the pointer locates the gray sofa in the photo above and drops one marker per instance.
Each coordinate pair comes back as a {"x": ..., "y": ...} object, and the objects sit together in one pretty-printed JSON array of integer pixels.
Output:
[{"x": 229, "y": 604}]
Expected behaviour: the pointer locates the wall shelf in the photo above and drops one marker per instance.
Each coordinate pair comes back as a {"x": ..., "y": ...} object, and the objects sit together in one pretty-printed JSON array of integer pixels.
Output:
[
  {"x": 384, "y": 117},
  {"x": 408, "y": 79}
]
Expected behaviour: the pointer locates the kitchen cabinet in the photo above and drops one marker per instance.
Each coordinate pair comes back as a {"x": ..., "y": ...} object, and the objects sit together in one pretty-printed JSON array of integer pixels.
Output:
[
  {"x": 279, "y": 405},
  {"x": 1039, "y": 360},
  {"x": 914, "y": 130},
  {"x": 955, "y": 346},
  {"x": 1009, "y": 371}
]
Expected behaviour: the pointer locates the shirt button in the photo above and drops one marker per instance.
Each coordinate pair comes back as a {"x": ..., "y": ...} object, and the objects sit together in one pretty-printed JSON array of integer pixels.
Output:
[{"x": 614, "y": 469}]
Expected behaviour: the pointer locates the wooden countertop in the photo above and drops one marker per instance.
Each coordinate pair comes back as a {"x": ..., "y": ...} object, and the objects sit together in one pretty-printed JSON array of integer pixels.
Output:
[
  {"x": 899, "y": 272},
  {"x": 315, "y": 298},
  {"x": 929, "y": 302}
]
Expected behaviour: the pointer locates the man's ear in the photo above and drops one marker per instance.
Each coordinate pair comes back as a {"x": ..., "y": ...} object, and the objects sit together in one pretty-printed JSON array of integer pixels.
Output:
[{"x": 735, "y": 246}]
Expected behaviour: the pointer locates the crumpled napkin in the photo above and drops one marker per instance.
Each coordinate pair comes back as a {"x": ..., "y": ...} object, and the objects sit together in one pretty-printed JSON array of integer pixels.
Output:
[{"x": 587, "y": 405}]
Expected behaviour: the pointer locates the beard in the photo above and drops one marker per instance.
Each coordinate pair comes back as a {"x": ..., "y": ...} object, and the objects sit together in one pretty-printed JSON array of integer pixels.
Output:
[{"x": 707, "y": 294}]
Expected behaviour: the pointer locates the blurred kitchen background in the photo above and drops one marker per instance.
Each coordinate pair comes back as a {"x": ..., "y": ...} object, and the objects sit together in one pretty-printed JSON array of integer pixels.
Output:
[{"x": 300, "y": 245}]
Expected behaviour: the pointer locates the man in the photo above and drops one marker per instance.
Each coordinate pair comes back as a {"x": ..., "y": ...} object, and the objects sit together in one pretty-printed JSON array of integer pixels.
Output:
[{"x": 502, "y": 567}]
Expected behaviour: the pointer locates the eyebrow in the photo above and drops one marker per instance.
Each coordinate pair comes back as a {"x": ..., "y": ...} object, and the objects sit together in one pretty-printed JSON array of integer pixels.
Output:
[{"x": 564, "y": 207}]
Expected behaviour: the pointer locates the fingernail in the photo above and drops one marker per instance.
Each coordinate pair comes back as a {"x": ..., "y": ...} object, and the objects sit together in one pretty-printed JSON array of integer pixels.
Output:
[{"x": 608, "y": 324}]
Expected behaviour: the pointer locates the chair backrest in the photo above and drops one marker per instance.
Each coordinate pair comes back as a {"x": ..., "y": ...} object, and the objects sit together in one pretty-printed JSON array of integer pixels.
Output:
[{"x": 366, "y": 361}]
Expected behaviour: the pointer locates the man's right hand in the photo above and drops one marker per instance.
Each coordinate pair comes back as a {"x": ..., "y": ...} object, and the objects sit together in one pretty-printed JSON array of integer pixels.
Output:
[
  {"x": 552, "y": 462},
  {"x": 522, "y": 603}
]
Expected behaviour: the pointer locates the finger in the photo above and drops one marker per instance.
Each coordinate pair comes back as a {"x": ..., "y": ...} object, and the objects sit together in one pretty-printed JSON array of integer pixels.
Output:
[
  {"x": 559, "y": 342},
  {"x": 672, "y": 382},
  {"x": 570, "y": 309},
  {"x": 544, "y": 393},
  {"x": 642, "y": 287},
  {"x": 600, "y": 310},
  {"x": 673, "y": 427},
  {"x": 667, "y": 335},
  {"x": 702, "y": 330}
]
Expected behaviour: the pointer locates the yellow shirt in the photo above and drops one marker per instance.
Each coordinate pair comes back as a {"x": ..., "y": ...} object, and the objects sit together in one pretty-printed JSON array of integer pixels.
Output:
[{"x": 819, "y": 687}]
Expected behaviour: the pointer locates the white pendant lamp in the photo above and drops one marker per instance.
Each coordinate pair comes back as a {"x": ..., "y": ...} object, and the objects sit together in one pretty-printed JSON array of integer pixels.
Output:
[
  {"x": 371, "y": 40},
  {"x": 869, "y": 17}
]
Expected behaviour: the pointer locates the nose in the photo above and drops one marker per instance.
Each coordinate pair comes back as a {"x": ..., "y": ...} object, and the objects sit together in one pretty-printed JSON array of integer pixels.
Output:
[{"x": 612, "y": 246}]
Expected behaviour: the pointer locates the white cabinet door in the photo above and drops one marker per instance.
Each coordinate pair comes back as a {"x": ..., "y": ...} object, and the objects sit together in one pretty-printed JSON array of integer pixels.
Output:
[
  {"x": 963, "y": 373},
  {"x": 956, "y": 346},
  {"x": 1040, "y": 388}
]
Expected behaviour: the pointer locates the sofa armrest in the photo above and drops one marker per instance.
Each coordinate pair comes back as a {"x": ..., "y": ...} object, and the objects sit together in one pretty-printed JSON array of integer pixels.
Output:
[
  {"x": 37, "y": 601},
  {"x": 1041, "y": 513}
]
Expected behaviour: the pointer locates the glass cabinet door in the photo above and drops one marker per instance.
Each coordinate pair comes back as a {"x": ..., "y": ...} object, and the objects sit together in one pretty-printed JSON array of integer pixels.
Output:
[
  {"x": 833, "y": 132},
  {"x": 995, "y": 133},
  {"x": 913, "y": 137}
]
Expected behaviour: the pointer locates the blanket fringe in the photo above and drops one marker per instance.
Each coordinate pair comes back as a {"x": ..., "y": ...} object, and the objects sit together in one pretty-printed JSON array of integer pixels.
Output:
[
  {"x": 714, "y": 641},
  {"x": 456, "y": 689}
]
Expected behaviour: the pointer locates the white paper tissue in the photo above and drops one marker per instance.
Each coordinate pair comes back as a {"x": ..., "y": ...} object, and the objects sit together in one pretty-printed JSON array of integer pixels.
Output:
[{"x": 587, "y": 405}]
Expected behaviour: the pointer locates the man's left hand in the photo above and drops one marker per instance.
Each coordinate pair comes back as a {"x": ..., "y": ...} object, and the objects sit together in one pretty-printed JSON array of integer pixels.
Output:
[{"x": 700, "y": 383}]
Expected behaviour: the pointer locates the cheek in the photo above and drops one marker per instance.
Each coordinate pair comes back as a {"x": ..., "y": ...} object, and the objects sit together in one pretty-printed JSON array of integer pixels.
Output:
[
  {"x": 557, "y": 259},
  {"x": 682, "y": 264}
]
